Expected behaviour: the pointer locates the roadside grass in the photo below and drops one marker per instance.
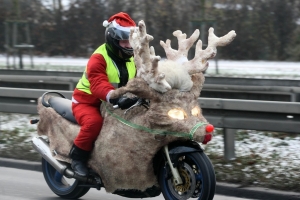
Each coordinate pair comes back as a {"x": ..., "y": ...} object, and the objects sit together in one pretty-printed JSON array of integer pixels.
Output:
[
  {"x": 15, "y": 137},
  {"x": 263, "y": 159},
  {"x": 17, "y": 146}
]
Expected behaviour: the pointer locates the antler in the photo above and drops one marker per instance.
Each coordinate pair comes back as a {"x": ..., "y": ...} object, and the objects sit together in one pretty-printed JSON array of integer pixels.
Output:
[
  {"x": 199, "y": 62},
  {"x": 183, "y": 45},
  {"x": 145, "y": 59}
]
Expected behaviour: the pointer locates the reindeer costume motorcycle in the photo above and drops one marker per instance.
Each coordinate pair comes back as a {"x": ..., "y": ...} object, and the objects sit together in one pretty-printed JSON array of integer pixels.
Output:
[{"x": 152, "y": 147}]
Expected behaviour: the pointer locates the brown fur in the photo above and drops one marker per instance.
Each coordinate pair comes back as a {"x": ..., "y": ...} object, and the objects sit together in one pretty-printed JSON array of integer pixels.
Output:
[{"x": 122, "y": 155}]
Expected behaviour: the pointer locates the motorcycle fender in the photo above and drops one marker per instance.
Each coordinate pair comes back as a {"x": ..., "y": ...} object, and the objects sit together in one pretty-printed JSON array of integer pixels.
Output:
[
  {"x": 176, "y": 152},
  {"x": 183, "y": 149}
]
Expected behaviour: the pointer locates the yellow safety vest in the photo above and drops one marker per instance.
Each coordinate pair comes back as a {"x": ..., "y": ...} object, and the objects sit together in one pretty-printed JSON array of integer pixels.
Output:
[{"x": 111, "y": 71}]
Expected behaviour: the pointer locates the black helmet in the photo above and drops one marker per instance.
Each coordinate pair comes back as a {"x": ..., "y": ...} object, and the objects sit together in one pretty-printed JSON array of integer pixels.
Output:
[
  {"x": 118, "y": 28},
  {"x": 112, "y": 37}
]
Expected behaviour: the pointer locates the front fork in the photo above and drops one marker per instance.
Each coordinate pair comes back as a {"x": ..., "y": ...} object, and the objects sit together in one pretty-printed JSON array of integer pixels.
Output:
[{"x": 174, "y": 170}]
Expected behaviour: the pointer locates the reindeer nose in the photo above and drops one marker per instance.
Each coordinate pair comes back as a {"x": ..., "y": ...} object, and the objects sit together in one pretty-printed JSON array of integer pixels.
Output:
[{"x": 209, "y": 128}]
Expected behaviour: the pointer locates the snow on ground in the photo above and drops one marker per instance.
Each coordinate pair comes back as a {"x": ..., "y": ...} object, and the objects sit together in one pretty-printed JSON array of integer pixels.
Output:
[
  {"x": 278, "y": 153},
  {"x": 222, "y": 67},
  {"x": 258, "y": 69},
  {"x": 16, "y": 121}
]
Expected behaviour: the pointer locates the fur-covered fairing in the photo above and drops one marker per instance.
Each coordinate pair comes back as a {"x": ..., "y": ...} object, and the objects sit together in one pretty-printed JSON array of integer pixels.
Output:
[{"x": 123, "y": 151}]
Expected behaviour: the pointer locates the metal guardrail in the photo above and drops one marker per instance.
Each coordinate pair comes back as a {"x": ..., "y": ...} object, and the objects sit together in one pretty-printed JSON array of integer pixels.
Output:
[
  {"x": 223, "y": 113},
  {"x": 277, "y": 92},
  {"x": 39, "y": 82},
  {"x": 229, "y": 114},
  {"x": 267, "y": 93},
  {"x": 40, "y": 73},
  {"x": 216, "y": 80},
  {"x": 24, "y": 101}
]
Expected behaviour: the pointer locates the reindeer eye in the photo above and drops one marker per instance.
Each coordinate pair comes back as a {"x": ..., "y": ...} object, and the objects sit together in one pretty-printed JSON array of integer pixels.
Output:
[
  {"x": 196, "y": 111},
  {"x": 177, "y": 113}
]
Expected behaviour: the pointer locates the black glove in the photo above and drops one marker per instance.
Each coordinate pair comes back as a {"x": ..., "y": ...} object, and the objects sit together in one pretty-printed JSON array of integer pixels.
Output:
[
  {"x": 124, "y": 102},
  {"x": 114, "y": 101}
]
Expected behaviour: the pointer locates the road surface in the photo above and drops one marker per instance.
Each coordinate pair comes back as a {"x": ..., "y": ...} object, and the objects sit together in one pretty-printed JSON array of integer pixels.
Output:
[{"x": 20, "y": 184}]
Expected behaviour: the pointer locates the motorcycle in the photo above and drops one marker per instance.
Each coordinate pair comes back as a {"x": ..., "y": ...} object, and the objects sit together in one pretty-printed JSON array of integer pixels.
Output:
[{"x": 148, "y": 149}]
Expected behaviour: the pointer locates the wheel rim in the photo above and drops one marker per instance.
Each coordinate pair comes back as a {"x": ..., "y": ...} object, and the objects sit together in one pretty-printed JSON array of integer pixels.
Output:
[
  {"x": 199, "y": 181},
  {"x": 193, "y": 179},
  {"x": 185, "y": 190},
  {"x": 58, "y": 181}
]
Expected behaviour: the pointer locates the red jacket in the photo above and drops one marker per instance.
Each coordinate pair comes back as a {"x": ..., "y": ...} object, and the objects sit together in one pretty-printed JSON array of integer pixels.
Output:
[{"x": 99, "y": 84}]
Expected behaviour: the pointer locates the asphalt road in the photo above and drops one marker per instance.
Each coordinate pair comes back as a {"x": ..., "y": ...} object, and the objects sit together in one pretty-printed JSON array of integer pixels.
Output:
[{"x": 18, "y": 184}]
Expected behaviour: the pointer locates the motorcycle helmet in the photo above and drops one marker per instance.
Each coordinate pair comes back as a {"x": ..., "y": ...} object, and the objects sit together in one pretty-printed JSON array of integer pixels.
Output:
[{"x": 118, "y": 28}]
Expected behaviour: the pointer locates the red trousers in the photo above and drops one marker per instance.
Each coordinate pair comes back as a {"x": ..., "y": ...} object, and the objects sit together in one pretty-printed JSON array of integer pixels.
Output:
[{"x": 90, "y": 120}]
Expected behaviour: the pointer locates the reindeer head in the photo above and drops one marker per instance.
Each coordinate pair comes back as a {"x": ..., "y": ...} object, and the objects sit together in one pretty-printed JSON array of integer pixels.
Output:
[{"x": 172, "y": 86}]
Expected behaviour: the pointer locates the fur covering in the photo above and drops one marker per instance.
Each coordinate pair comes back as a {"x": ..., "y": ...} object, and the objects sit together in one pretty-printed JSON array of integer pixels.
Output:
[
  {"x": 176, "y": 75},
  {"x": 123, "y": 155}
]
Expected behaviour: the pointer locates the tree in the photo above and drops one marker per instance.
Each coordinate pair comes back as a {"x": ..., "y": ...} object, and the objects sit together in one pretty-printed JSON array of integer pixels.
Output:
[
  {"x": 284, "y": 25},
  {"x": 266, "y": 29}
]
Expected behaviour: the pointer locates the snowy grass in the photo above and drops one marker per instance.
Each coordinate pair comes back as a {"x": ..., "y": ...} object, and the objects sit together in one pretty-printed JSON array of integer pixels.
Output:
[
  {"x": 267, "y": 159},
  {"x": 15, "y": 136}
]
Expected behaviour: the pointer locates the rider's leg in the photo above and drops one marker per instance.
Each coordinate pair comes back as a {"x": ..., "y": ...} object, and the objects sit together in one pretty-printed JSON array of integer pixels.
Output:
[
  {"x": 90, "y": 120},
  {"x": 79, "y": 159}
]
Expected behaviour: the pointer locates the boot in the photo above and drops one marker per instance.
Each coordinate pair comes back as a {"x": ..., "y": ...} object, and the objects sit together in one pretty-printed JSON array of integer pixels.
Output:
[{"x": 79, "y": 159}]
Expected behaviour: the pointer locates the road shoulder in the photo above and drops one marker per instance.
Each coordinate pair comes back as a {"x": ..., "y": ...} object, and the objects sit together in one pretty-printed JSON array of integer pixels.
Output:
[{"x": 222, "y": 188}]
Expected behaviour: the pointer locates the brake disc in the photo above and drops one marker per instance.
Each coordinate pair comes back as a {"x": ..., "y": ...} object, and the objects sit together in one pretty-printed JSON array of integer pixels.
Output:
[{"x": 187, "y": 188}]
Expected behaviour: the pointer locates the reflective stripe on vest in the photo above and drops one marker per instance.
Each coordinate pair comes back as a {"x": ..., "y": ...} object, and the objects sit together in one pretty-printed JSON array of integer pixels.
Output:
[{"x": 111, "y": 71}]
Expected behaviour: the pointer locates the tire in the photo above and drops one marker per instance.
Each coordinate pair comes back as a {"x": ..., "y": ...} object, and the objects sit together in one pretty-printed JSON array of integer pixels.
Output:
[
  {"x": 61, "y": 185},
  {"x": 212, "y": 176},
  {"x": 198, "y": 178}
]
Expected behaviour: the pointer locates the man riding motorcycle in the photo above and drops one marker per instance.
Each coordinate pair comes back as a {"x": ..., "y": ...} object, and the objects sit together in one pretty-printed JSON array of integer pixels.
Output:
[{"x": 109, "y": 67}]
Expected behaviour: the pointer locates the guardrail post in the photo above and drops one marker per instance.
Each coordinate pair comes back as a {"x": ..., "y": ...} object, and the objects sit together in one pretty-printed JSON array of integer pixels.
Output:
[{"x": 229, "y": 146}]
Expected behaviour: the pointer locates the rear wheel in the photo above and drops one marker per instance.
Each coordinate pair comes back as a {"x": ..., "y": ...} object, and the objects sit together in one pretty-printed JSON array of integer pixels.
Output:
[
  {"x": 62, "y": 186},
  {"x": 198, "y": 178}
]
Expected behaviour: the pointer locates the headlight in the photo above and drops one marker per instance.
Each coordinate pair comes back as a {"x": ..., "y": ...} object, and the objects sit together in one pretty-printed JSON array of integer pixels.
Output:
[
  {"x": 177, "y": 113},
  {"x": 196, "y": 111}
]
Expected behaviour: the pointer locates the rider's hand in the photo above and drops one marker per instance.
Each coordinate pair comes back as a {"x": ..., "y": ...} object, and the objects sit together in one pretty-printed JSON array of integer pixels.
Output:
[
  {"x": 124, "y": 102},
  {"x": 114, "y": 101}
]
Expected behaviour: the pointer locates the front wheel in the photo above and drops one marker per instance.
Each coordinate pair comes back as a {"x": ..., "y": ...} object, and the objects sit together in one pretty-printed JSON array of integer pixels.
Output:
[
  {"x": 198, "y": 178},
  {"x": 61, "y": 185}
]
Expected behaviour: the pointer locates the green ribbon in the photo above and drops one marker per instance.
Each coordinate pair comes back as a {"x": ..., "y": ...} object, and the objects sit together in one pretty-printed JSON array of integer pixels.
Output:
[{"x": 155, "y": 131}]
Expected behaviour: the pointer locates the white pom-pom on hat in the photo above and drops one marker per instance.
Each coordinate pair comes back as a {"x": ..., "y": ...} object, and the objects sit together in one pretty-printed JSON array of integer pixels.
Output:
[{"x": 106, "y": 23}]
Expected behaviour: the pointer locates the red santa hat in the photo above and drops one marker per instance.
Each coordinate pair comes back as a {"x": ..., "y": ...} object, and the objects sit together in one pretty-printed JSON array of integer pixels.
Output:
[{"x": 121, "y": 21}]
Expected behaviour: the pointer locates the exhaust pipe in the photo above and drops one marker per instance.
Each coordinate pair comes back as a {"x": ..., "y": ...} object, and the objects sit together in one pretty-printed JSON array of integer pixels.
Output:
[{"x": 42, "y": 147}]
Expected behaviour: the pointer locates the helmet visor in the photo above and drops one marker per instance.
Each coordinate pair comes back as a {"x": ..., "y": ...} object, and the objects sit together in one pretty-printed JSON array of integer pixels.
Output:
[{"x": 118, "y": 34}]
